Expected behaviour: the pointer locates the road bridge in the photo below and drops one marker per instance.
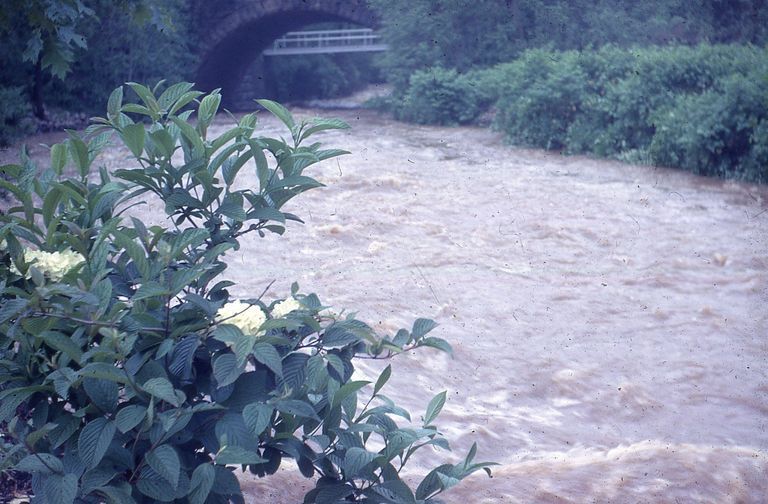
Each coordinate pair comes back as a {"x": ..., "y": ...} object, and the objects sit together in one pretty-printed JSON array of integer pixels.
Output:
[{"x": 326, "y": 42}]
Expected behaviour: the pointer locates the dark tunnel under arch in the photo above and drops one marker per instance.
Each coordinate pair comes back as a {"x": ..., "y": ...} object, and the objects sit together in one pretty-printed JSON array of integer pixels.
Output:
[{"x": 238, "y": 39}]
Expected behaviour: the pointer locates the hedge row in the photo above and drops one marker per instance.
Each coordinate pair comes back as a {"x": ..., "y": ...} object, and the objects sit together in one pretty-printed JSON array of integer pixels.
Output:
[{"x": 702, "y": 109}]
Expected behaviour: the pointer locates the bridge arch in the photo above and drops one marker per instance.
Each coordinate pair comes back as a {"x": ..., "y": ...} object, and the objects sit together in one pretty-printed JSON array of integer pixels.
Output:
[{"x": 235, "y": 34}]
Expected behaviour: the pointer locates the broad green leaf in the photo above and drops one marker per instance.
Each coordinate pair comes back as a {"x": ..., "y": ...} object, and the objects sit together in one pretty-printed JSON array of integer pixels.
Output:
[
  {"x": 149, "y": 290},
  {"x": 135, "y": 108},
  {"x": 165, "y": 461},
  {"x": 184, "y": 100},
  {"x": 438, "y": 343},
  {"x": 431, "y": 483},
  {"x": 103, "y": 393},
  {"x": 297, "y": 408},
  {"x": 162, "y": 389},
  {"x": 447, "y": 481},
  {"x": 347, "y": 389},
  {"x": 267, "y": 355},
  {"x": 146, "y": 96},
  {"x": 11, "y": 308},
  {"x": 94, "y": 440},
  {"x": 266, "y": 213},
  {"x": 396, "y": 492},
  {"x": 129, "y": 417},
  {"x": 62, "y": 343},
  {"x": 330, "y": 153},
  {"x": 278, "y": 111},
  {"x": 116, "y": 495},
  {"x": 227, "y": 333},
  {"x": 382, "y": 379},
  {"x": 154, "y": 486},
  {"x": 114, "y": 103},
  {"x": 67, "y": 426},
  {"x": 209, "y": 105},
  {"x": 354, "y": 460},
  {"x": 422, "y": 326},
  {"x": 295, "y": 181},
  {"x": 434, "y": 407},
  {"x": 58, "y": 157},
  {"x": 257, "y": 417},
  {"x": 45, "y": 463},
  {"x": 294, "y": 371},
  {"x": 61, "y": 489},
  {"x": 134, "y": 136},
  {"x": 201, "y": 483},
  {"x": 78, "y": 151},
  {"x": 401, "y": 338},
  {"x": 226, "y": 137},
  {"x": 226, "y": 369},
  {"x": 97, "y": 477},
  {"x": 103, "y": 371},
  {"x": 183, "y": 355},
  {"x": 333, "y": 493},
  {"x": 226, "y": 482},
  {"x": 317, "y": 372},
  {"x": 163, "y": 142},
  {"x": 337, "y": 336},
  {"x": 232, "y": 210},
  {"x": 318, "y": 125},
  {"x": 173, "y": 93},
  {"x": 63, "y": 378},
  {"x": 191, "y": 136}
]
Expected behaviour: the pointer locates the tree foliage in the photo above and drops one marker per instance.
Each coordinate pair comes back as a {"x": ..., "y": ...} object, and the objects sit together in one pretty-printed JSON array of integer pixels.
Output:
[
  {"x": 129, "y": 372},
  {"x": 466, "y": 34},
  {"x": 71, "y": 53}
]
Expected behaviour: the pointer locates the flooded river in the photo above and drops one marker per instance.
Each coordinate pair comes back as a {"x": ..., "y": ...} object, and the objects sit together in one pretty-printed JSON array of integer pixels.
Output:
[{"x": 609, "y": 321}]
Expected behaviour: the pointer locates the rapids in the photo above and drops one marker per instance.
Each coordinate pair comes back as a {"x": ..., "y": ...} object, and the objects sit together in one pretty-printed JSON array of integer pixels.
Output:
[{"x": 608, "y": 321}]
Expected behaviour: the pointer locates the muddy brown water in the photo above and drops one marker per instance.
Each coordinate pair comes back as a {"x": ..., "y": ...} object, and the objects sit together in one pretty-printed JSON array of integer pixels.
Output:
[{"x": 609, "y": 321}]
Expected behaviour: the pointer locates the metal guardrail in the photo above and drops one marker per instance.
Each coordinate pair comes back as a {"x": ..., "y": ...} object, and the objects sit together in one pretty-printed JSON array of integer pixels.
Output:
[{"x": 326, "y": 41}]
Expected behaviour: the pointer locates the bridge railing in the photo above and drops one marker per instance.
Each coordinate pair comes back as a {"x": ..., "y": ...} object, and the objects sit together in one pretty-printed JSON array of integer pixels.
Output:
[{"x": 326, "y": 41}]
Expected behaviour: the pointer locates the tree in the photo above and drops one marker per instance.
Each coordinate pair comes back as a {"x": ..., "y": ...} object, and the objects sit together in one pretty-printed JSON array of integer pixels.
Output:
[{"x": 53, "y": 35}]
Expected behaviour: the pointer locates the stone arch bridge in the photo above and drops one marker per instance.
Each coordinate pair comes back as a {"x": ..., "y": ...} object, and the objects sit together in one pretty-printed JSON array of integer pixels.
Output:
[{"x": 234, "y": 32}]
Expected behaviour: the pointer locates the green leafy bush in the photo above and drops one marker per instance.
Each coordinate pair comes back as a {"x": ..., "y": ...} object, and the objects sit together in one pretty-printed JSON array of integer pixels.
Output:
[
  {"x": 699, "y": 109},
  {"x": 721, "y": 133},
  {"x": 440, "y": 96},
  {"x": 130, "y": 374},
  {"x": 654, "y": 78},
  {"x": 541, "y": 97}
]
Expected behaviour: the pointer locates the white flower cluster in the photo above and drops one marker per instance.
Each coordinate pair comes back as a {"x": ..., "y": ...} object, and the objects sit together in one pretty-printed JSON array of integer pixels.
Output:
[
  {"x": 247, "y": 317},
  {"x": 285, "y": 307},
  {"x": 53, "y": 264}
]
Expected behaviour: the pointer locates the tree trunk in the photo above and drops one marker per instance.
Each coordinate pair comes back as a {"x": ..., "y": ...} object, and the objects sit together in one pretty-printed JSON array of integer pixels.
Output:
[{"x": 38, "y": 107}]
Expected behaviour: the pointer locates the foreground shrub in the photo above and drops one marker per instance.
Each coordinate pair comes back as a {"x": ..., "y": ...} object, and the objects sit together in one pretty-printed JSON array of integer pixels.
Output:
[{"x": 130, "y": 374}]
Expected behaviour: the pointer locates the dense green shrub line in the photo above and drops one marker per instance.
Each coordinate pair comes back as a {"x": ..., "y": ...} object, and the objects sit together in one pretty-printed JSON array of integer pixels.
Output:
[{"x": 703, "y": 109}]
